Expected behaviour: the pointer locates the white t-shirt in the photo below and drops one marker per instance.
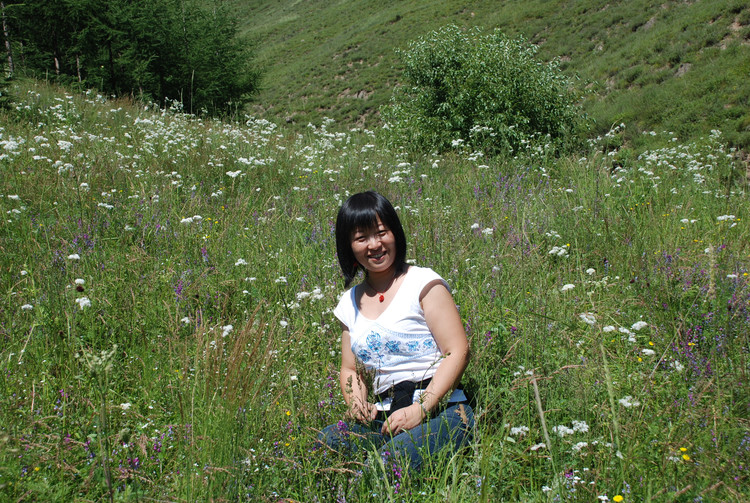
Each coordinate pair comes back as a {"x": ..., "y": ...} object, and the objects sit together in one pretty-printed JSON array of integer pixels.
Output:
[{"x": 397, "y": 345}]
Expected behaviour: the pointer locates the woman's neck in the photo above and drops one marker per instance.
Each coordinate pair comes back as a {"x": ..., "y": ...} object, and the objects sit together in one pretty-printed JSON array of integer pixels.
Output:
[{"x": 381, "y": 281}]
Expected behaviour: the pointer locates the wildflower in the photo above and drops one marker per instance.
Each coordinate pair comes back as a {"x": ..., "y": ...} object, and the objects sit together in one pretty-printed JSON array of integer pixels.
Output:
[
  {"x": 185, "y": 320},
  {"x": 562, "y": 430},
  {"x": 186, "y": 221},
  {"x": 125, "y": 406},
  {"x": 240, "y": 262},
  {"x": 488, "y": 231},
  {"x": 79, "y": 281},
  {"x": 580, "y": 426},
  {"x": 580, "y": 445},
  {"x": 24, "y": 273},
  {"x": 234, "y": 174},
  {"x": 74, "y": 256},
  {"x": 587, "y": 318},
  {"x": 608, "y": 328},
  {"x": 226, "y": 329},
  {"x": 679, "y": 367},
  {"x": 567, "y": 287},
  {"x": 538, "y": 446},
  {"x": 280, "y": 279},
  {"x": 283, "y": 323},
  {"x": 14, "y": 197},
  {"x": 83, "y": 302},
  {"x": 725, "y": 217},
  {"x": 519, "y": 430},
  {"x": 648, "y": 352},
  {"x": 474, "y": 226},
  {"x": 618, "y": 499},
  {"x": 683, "y": 449},
  {"x": 639, "y": 325},
  {"x": 628, "y": 401},
  {"x": 560, "y": 251},
  {"x": 27, "y": 307},
  {"x": 590, "y": 271}
]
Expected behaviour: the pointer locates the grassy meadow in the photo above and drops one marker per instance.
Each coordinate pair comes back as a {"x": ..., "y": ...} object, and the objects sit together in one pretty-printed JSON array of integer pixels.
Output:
[{"x": 167, "y": 287}]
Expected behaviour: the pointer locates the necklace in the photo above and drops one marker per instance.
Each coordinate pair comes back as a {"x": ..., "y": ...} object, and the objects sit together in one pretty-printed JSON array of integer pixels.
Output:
[{"x": 381, "y": 295}]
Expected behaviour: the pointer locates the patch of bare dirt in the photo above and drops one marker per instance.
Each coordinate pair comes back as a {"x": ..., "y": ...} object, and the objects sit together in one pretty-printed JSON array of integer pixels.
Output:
[{"x": 683, "y": 69}]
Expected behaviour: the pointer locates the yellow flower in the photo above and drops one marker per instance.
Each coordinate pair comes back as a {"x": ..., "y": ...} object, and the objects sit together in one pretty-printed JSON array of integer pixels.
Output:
[
  {"x": 288, "y": 413},
  {"x": 640, "y": 359},
  {"x": 36, "y": 468},
  {"x": 650, "y": 343},
  {"x": 682, "y": 449},
  {"x": 686, "y": 457},
  {"x": 618, "y": 499}
]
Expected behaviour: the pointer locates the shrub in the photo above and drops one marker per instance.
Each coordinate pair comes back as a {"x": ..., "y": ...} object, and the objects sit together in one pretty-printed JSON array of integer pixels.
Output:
[{"x": 486, "y": 91}]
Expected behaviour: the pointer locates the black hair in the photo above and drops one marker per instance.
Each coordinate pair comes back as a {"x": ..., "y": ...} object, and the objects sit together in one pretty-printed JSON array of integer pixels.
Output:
[{"x": 361, "y": 212}]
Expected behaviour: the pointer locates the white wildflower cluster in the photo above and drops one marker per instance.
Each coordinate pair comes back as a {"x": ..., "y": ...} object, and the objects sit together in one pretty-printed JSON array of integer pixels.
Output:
[
  {"x": 588, "y": 318},
  {"x": 189, "y": 220},
  {"x": 522, "y": 371},
  {"x": 315, "y": 294},
  {"x": 83, "y": 302},
  {"x": 519, "y": 431},
  {"x": 628, "y": 401},
  {"x": 564, "y": 430},
  {"x": 559, "y": 251},
  {"x": 567, "y": 287}
]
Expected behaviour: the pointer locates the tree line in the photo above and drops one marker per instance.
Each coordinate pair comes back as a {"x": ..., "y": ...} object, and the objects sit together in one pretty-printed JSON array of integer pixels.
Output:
[{"x": 157, "y": 50}]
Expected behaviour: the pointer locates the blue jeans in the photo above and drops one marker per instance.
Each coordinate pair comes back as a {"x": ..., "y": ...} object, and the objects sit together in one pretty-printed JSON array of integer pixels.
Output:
[{"x": 446, "y": 430}]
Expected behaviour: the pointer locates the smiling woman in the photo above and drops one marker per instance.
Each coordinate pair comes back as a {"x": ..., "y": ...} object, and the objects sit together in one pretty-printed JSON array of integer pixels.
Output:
[{"x": 402, "y": 326}]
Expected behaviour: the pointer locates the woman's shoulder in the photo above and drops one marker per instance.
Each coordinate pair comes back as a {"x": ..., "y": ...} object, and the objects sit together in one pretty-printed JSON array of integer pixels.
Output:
[
  {"x": 423, "y": 273},
  {"x": 421, "y": 277}
]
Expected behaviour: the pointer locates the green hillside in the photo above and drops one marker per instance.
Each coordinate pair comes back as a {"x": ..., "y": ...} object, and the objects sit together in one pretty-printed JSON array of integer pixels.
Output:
[{"x": 679, "y": 66}]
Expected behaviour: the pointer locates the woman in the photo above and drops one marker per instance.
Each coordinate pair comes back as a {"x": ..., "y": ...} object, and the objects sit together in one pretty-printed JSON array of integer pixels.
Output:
[{"x": 400, "y": 327}]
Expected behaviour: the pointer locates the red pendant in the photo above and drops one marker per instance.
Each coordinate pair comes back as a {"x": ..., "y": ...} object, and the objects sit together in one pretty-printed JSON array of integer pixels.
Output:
[{"x": 381, "y": 298}]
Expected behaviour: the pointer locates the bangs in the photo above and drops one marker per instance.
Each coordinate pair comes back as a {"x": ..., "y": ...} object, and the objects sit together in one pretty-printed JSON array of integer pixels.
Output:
[{"x": 362, "y": 219}]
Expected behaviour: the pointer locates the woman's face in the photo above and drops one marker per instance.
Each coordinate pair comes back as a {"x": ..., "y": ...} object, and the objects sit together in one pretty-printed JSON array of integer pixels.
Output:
[{"x": 374, "y": 249}]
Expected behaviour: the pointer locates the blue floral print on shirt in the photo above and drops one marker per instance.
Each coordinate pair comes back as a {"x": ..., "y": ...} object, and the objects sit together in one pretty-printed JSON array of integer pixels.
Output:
[{"x": 383, "y": 347}]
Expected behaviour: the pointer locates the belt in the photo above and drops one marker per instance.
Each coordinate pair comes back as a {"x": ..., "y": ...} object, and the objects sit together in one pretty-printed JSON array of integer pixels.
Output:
[{"x": 402, "y": 395}]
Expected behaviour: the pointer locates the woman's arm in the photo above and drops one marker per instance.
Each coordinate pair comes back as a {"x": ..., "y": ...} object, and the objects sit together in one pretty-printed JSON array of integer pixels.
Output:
[
  {"x": 352, "y": 385},
  {"x": 445, "y": 324}
]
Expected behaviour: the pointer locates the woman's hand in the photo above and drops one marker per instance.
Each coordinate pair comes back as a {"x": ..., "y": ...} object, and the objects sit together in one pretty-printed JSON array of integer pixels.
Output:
[
  {"x": 403, "y": 420},
  {"x": 364, "y": 412}
]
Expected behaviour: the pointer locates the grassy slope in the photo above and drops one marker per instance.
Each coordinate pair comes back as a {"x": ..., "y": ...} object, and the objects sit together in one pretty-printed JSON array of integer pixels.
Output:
[{"x": 674, "y": 65}]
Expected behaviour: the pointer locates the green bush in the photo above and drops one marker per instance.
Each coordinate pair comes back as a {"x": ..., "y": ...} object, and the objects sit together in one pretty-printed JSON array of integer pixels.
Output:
[{"x": 486, "y": 91}]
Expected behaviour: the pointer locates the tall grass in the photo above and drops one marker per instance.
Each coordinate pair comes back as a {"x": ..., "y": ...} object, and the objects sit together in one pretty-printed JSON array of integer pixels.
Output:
[{"x": 167, "y": 286}]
